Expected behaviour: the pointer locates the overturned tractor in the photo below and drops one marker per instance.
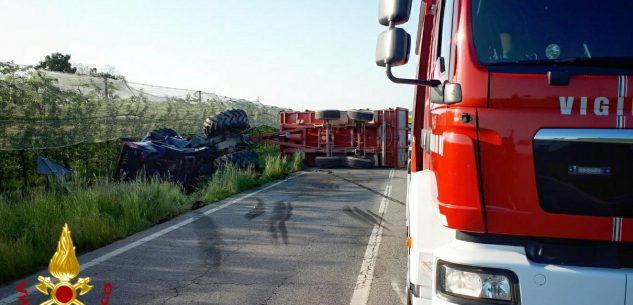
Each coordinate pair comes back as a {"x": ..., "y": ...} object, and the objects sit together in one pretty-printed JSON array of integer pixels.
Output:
[{"x": 186, "y": 160}]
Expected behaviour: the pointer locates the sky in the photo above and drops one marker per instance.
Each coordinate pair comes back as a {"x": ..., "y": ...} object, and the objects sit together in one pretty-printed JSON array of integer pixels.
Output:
[{"x": 299, "y": 54}]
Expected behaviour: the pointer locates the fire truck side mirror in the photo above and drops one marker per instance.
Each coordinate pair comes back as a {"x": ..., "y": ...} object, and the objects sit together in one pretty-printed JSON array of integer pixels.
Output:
[
  {"x": 394, "y": 44},
  {"x": 393, "y": 47},
  {"x": 452, "y": 93},
  {"x": 394, "y": 12},
  {"x": 447, "y": 93}
]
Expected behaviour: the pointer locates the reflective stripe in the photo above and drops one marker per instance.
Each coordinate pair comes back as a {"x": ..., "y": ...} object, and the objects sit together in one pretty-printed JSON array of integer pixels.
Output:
[
  {"x": 433, "y": 142},
  {"x": 617, "y": 229},
  {"x": 620, "y": 122}
]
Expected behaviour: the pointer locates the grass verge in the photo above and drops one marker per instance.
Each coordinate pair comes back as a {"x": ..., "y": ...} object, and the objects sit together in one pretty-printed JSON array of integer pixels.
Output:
[{"x": 107, "y": 211}]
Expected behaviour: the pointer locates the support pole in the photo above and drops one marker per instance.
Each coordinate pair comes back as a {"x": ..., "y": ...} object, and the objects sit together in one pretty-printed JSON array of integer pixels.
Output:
[
  {"x": 105, "y": 80},
  {"x": 24, "y": 170}
]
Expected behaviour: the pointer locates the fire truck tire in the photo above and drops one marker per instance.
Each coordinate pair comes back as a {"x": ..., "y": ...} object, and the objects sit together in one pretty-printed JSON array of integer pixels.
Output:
[
  {"x": 160, "y": 134},
  {"x": 354, "y": 162},
  {"x": 234, "y": 119},
  {"x": 360, "y": 115},
  {"x": 327, "y": 162},
  {"x": 241, "y": 159},
  {"x": 327, "y": 115}
]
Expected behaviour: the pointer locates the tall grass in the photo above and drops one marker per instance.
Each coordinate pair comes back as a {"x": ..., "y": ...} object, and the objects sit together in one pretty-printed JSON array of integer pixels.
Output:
[
  {"x": 278, "y": 166},
  {"x": 226, "y": 182},
  {"x": 97, "y": 216},
  {"x": 229, "y": 180},
  {"x": 104, "y": 211}
]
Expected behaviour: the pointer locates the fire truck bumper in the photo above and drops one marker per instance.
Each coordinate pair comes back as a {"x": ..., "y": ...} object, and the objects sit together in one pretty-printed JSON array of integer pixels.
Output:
[{"x": 473, "y": 273}]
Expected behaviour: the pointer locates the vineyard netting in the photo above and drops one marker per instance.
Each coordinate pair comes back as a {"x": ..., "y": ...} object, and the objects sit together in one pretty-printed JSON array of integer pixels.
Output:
[{"x": 41, "y": 109}]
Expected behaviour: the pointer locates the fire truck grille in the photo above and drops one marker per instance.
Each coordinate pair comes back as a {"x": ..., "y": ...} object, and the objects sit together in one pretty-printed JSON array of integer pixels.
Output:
[{"x": 584, "y": 175}]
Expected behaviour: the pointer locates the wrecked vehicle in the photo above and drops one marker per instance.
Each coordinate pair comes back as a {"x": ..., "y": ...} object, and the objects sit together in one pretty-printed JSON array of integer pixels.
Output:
[{"x": 187, "y": 160}]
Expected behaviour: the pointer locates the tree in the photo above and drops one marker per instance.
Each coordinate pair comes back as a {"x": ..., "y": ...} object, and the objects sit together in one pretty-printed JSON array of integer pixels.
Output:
[
  {"x": 57, "y": 62},
  {"x": 82, "y": 69},
  {"x": 108, "y": 69}
]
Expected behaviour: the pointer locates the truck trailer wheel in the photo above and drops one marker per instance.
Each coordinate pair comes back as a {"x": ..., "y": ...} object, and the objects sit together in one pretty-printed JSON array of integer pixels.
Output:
[
  {"x": 360, "y": 115},
  {"x": 327, "y": 115},
  {"x": 354, "y": 162},
  {"x": 241, "y": 159},
  {"x": 160, "y": 134},
  {"x": 327, "y": 162},
  {"x": 234, "y": 119}
]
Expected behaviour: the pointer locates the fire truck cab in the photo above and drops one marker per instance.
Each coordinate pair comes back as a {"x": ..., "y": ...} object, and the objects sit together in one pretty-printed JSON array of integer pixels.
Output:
[{"x": 521, "y": 173}]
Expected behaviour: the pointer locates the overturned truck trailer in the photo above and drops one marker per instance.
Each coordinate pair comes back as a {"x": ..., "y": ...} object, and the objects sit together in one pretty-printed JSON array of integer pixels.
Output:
[{"x": 354, "y": 138}]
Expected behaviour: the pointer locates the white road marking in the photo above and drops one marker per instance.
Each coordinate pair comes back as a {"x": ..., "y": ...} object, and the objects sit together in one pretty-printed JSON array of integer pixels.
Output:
[
  {"x": 14, "y": 297},
  {"x": 398, "y": 290},
  {"x": 366, "y": 275}
]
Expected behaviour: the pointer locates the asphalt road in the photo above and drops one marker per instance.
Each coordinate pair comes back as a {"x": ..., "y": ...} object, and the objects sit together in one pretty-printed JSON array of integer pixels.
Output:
[{"x": 317, "y": 238}]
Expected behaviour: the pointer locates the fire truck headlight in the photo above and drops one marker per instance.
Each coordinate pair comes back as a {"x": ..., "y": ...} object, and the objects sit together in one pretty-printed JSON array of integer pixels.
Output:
[{"x": 465, "y": 282}]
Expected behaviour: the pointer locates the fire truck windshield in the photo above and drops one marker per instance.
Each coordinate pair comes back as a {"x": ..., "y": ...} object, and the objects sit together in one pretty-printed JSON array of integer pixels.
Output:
[{"x": 543, "y": 32}]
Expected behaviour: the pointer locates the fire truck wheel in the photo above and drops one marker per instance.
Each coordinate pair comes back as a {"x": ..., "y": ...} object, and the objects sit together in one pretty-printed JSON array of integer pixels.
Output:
[
  {"x": 360, "y": 115},
  {"x": 327, "y": 115},
  {"x": 241, "y": 159},
  {"x": 354, "y": 162},
  {"x": 234, "y": 119},
  {"x": 160, "y": 134},
  {"x": 327, "y": 162}
]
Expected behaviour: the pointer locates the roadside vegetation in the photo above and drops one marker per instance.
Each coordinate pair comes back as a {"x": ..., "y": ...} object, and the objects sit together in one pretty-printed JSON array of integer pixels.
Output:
[
  {"x": 79, "y": 122},
  {"x": 101, "y": 211}
]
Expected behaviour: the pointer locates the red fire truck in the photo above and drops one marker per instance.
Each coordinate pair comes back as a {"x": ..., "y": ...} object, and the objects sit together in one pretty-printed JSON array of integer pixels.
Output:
[{"x": 521, "y": 173}]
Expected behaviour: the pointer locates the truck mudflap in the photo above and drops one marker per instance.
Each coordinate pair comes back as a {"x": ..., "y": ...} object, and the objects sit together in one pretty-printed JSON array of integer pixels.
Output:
[{"x": 533, "y": 283}]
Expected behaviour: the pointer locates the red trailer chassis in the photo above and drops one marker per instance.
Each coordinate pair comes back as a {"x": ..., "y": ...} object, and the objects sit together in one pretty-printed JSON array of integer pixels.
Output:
[{"x": 384, "y": 139}]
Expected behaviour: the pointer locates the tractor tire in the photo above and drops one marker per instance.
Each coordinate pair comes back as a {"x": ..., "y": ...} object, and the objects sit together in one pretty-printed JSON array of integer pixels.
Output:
[
  {"x": 327, "y": 162},
  {"x": 242, "y": 159},
  {"x": 360, "y": 115},
  {"x": 363, "y": 163},
  {"x": 160, "y": 134},
  {"x": 327, "y": 115},
  {"x": 234, "y": 119}
]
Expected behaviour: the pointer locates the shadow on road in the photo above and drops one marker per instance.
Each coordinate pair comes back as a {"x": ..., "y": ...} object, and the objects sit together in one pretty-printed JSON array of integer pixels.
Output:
[
  {"x": 281, "y": 213},
  {"x": 209, "y": 240},
  {"x": 368, "y": 217},
  {"x": 257, "y": 210}
]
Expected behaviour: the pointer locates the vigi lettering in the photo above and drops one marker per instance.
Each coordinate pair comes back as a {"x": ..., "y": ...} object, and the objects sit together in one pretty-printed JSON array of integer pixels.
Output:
[{"x": 601, "y": 105}]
